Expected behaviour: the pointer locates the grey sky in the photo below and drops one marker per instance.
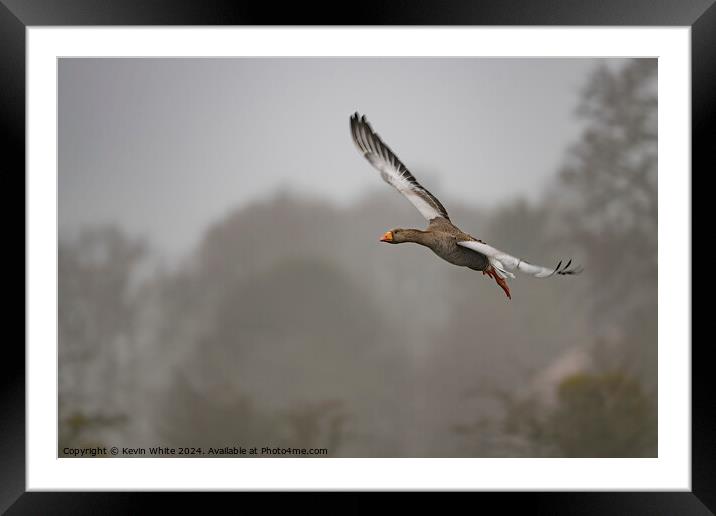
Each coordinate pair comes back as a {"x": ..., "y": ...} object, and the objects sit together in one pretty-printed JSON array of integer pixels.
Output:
[{"x": 164, "y": 147}]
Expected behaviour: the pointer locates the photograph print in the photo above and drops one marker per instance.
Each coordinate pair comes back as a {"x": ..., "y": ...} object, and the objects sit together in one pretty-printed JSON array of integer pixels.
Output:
[{"x": 231, "y": 282}]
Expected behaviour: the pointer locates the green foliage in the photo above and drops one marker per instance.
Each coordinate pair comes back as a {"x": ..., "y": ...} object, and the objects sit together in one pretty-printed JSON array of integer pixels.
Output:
[
  {"x": 603, "y": 415},
  {"x": 81, "y": 429},
  {"x": 593, "y": 415}
]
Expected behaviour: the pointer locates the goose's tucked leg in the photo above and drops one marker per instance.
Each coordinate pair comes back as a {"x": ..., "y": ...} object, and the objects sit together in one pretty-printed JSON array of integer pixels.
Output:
[{"x": 490, "y": 271}]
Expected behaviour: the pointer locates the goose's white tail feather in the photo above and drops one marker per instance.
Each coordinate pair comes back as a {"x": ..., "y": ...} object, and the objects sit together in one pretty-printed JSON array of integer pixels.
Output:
[
  {"x": 497, "y": 265},
  {"x": 503, "y": 263}
]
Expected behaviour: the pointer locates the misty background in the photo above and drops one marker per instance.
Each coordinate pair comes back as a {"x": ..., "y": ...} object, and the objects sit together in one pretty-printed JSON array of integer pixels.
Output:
[{"x": 221, "y": 283}]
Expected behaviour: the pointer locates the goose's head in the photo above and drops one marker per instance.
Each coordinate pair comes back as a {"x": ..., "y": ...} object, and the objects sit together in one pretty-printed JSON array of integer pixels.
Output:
[{"x": 394, "y": 236}]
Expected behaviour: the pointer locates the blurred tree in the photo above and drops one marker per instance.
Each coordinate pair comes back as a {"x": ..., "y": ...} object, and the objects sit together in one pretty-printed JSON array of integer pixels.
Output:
[
  {"x": 610, "y": 189},
  {"x": 317, "y": 423},
  {"x": 289, "y": 331},
  {"x": 211, "y": 416},
  {"x": 81, "y": 430},
  {"x": 606, "y": 203},
  {"x": 595, "y": 415},
  {"x": 94, "y": 279},
  {"x": 96, "y": 315},
  {"x": 199, "y": 416},
  {"x": 603, "y": 415}
]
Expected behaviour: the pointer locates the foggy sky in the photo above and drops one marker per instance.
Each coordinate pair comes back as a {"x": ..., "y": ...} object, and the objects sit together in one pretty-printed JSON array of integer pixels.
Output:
[{"x": 165, "y": 147}]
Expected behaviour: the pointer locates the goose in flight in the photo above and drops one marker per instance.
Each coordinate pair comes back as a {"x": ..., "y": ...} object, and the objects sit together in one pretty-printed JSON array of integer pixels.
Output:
[{"x": 445, "y": 239}]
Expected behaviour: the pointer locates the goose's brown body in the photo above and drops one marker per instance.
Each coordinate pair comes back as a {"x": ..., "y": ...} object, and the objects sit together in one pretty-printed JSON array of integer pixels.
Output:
[{"x": 442, "y": 237}]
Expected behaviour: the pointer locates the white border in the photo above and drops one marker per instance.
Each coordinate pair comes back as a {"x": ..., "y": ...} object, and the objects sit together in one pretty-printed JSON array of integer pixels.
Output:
[{"x": 670, "y": 471}]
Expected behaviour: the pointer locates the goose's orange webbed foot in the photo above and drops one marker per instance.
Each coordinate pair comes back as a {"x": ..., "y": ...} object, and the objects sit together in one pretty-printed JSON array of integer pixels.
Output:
[{"x": 500, "y": 281}]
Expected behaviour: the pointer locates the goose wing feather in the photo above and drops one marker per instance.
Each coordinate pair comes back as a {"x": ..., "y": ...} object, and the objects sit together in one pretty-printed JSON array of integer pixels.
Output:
[{"x": 392, "y": 169}]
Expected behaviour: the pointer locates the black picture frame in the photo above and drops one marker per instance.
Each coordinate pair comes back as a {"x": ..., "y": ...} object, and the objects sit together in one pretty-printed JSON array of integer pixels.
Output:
[{"x": 16, "y": 15}]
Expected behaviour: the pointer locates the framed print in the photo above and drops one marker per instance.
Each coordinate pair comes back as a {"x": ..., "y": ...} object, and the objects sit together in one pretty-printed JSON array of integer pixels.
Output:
[{"x": 215, "y": 300}]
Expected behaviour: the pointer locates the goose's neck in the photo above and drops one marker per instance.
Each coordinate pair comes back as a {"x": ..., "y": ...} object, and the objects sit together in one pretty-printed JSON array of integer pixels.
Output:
[{"x": 416, "y": 236}]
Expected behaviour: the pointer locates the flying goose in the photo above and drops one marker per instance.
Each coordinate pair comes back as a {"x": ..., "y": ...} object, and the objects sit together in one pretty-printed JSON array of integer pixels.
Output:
[{"x": 445, "y": 239}]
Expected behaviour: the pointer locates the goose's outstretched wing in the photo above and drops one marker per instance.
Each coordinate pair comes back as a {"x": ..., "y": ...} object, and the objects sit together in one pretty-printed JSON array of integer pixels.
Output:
[
  {"x": 392, "y": 169},
  {"x": 505, "y": 263}
]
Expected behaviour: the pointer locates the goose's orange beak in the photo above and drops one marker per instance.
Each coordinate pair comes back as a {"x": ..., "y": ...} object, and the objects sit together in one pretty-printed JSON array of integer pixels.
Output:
[{"x": 388, "y": 237}]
